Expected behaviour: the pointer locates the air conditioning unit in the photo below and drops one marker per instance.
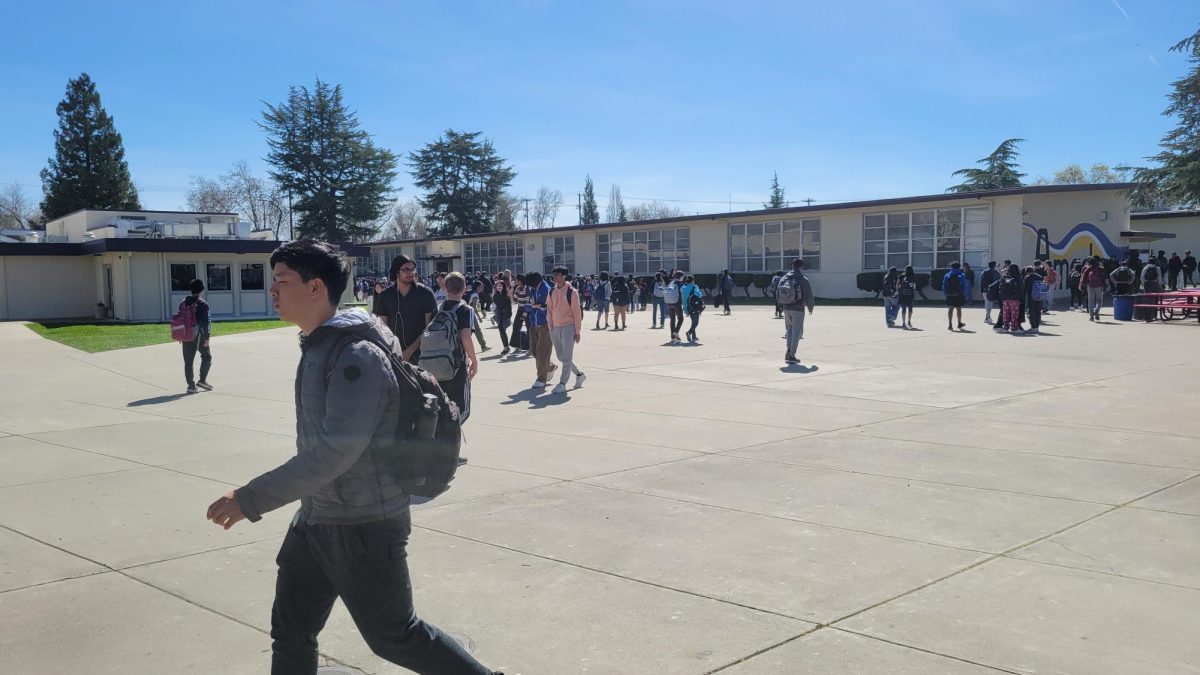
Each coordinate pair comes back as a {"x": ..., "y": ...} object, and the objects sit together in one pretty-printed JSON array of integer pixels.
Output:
[{"x": 442, "y": 248}]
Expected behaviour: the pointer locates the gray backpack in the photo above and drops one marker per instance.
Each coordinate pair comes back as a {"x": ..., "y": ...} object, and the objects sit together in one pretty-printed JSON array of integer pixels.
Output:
[
  {"x": 441, "y": 347},
  {"x": 788, "y": 291}
]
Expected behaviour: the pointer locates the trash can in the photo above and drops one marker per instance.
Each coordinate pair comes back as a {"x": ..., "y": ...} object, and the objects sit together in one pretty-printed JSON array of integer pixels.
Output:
[{"x": 1123, "y": 307}]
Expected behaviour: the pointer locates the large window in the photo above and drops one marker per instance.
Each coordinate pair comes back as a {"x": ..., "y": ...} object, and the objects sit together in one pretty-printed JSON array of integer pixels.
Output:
[
  {"x": 767, "y": 247},
  {"x": 493, "y": 256},
  {"x": 252, "y": 276},
  {"x": 182, "y": 275},
  {"x": 927, "y": 239},
  {"x": 644, "y": 251},
  {"x": 381, "y": 260},
  {"x": 218, "y": 277},
  {"x": 558, "y": 251},
  {"x": 421, "y": 256}
]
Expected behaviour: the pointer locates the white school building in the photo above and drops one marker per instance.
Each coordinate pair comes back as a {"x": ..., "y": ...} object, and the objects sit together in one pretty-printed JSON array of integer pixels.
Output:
[{"x": 837, "y": 241}]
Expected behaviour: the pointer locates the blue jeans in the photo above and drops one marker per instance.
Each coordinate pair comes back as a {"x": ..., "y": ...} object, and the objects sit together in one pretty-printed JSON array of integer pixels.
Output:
[
  {"x": 659, "y": 312},
  {"x": 366, "y": 566},
  {"x": 695, "y": 322}
]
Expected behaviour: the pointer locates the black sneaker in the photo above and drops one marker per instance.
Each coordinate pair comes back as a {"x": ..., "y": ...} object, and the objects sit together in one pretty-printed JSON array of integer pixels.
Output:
[{"x": 204, "y": 385}]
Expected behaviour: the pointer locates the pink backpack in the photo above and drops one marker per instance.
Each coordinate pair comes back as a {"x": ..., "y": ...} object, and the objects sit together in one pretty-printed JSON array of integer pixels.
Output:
[{"x": 183, "y": 324}]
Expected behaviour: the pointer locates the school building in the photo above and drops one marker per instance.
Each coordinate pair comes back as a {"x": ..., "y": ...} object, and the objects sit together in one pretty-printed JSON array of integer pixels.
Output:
[
  {"x": 130, "y": 265},
  {"x": 837, "y": 241}
]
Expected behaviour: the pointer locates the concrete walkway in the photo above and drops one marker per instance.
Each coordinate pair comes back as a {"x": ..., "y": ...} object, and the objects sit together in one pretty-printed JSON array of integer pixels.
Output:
[{"x": 903, "y": 502}]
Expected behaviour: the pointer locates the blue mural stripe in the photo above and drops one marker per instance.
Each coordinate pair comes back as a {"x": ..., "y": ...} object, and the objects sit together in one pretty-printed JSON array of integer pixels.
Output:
[{"x": 1063, "y": 245}]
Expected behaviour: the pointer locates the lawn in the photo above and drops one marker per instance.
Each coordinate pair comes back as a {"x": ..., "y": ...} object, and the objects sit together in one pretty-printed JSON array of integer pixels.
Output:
[{"x": 96, "y": 337}]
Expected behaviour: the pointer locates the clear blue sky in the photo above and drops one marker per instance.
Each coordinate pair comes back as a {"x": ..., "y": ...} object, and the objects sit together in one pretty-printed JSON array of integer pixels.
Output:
[{"x": 686, "y": 100}]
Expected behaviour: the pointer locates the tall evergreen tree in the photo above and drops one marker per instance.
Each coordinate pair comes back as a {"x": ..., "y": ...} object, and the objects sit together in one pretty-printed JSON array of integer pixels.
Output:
[
  {"x": 464, "y": 180},
  {"x": 776, "y": 201},
  {"x": 339, "y": 178},
  {"x": 1176, "y": 179},
  {"x": 88, "y": 170},
  {"x": 999, "y": 170},
  {"x": 590, "y": 213}
]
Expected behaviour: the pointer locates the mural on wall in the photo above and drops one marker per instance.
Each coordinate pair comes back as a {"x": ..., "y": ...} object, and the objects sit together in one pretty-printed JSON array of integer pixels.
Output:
[{"x": 1083, "y": 240}]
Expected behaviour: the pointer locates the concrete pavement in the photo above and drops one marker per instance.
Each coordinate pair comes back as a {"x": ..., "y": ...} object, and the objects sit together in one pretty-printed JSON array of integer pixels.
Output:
[{"x": 902, "y": 502}]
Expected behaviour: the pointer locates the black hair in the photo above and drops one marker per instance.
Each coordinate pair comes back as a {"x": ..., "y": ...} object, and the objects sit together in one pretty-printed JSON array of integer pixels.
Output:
[
  {"x": 798, "y": 263},
  {"x": 533, "y": 278},
  {"x": 313, "y": 259},
  {"x": 604, "y": 276},
  {"x": 560, "y": 269},
  {"x": 398, "y": 262},
  {"x": 196, "y": 287},
  {"x": 992, "y": 264},
  {"x": 955, "y": 265}
]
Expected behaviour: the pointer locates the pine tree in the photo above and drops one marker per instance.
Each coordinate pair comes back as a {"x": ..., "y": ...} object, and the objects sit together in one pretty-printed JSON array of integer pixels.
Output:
[
  {"x": 88, "y": 170},
  {"x": 776, "y": 201},
  {"x": 999, "y": 170},
  {"x": 1175, "y": 182},
  {"x": 464, "y": 181},
  {"x": 339, "y": 178},
  {"x": 590, "y": 213}
]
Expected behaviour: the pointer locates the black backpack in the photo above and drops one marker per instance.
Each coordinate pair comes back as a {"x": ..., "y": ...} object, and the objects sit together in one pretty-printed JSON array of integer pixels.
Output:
[
  {"x": 953, "y": 286},
  {"x": 907, "y": 289},
  {"x": 425, "y": 453},
  {"x": 695, "y": 303}
]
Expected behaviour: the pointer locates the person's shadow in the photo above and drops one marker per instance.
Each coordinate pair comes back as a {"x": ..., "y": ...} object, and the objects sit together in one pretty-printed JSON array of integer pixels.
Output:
[
  {"x": 537, "y": 399},
  {"x": 799, "y": 368},
  {"x": 166, "y": 398}
]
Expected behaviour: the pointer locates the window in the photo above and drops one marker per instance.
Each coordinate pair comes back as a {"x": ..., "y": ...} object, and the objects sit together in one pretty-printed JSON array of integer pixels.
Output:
[
  {"x": 767, "y": 247},
  {"x": 421, "y": 256},
  {"x": 644, "y": 252},
  {"x": 218, "y": 277},
  {"x": 558, "y": 251},
  {"x": 182, "y": 275},
  {"x": 927, "y": 239},
  {"x": 252, "y": 277},
  {"x": 493, "y": 256}
]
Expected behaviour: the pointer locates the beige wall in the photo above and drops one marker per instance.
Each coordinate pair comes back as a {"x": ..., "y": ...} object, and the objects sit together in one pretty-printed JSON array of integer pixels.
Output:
[
  {"x": 1185, "y": 228},
  {"x": 1105, "y": 212},
  {"x": 47, "y": 287}
]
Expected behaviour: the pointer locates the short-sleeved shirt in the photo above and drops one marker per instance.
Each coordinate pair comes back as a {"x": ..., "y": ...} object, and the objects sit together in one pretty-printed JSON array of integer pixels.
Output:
[
  {"x": 458, "y": 388},
  {"x": 405, "y": 314}
]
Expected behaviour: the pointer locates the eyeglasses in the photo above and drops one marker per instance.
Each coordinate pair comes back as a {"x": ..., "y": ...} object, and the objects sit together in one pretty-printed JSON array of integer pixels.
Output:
[{"x": 409, "y": 270}]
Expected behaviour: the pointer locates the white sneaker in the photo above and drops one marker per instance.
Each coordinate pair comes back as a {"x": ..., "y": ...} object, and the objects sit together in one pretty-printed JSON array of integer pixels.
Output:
[
  {"x": 539, "y": 384},
  {"x": 560, "y": 388},
  {"x": 579, "y": 380}
]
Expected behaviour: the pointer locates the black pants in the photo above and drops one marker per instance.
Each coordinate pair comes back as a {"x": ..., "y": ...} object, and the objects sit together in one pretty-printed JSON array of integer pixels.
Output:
[
  {"x": 1173, "y": 280},
  {"x": 367, "y": 567},
  {"x": 517, "y": 323},
  {"x": 1187, "y": 278},
  {"x": 1035, "y": 313},
  {"x": 676, "y": 312},
  {"x": 189, "y": 359},
  {"x": 503, "y": 320}
]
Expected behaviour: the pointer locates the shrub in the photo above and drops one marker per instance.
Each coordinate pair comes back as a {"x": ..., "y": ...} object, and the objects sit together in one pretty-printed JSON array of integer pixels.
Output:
[
  {"x": 762, "y": 281},
  {"x": 870, "y": 282},
  {"x": 743, "y": 280},
  {"x": 707, "y": 282}
]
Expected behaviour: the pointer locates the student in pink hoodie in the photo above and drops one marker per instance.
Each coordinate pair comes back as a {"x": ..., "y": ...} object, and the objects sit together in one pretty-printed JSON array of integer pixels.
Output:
[{"x": 564, "y": 315}]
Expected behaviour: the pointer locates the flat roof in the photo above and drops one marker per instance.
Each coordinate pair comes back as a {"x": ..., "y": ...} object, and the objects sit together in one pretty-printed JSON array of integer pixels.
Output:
[
  {"x": 841, "y": 206},
  {"x": 99, "y": 246},
  {"x": 1155, "y": 215},
  {"x": 189, "y": 213}
]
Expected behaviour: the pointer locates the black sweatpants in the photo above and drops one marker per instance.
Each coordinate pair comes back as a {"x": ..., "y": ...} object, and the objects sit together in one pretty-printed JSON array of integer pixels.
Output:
[{"x": 200, "y": 344}]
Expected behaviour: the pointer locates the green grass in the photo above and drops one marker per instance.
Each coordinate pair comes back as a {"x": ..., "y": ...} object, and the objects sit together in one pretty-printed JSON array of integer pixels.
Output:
[{"x": 103, "y": 337}]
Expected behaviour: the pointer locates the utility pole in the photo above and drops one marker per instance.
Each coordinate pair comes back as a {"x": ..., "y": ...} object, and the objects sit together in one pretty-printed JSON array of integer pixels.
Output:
[
  {"x": 526, "y": 200},
  {"x": 291, "y": 225},
  {"x": 579, "y": 206},
  {"x": 808, "y": 202}
]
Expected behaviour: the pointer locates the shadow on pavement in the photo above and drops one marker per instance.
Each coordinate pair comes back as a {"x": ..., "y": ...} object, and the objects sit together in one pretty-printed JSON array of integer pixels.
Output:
[
  {"x": 166, "y": 398},
  {"x": 799, "y": 368},
  {"x": 537, "y": 398}
]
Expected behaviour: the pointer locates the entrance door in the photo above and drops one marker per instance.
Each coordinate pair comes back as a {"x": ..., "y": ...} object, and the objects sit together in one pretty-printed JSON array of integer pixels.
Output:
[{"x": 443, "y": 266}]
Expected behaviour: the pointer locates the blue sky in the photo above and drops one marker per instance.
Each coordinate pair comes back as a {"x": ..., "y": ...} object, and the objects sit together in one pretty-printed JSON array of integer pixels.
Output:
[{"x": 691, "y": 101}]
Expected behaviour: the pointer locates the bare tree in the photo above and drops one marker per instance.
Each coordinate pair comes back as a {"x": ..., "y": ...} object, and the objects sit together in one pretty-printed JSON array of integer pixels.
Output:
[
  {"x": 256, "y": 199},
  {"x": 405, "y": 220},
  {"x": 546, "y": 206},
  {"x": 18, "y": 212},
  {"x": 615, "y": 212},
  {"x": 652, "y": 210},
  {"x": 508, "y": 212}
]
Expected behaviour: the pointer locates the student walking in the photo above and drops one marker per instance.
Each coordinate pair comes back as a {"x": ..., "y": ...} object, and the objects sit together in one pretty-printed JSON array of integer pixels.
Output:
[
  {"x": 406, "y": 307},
  {"x": 601, "y": 295},
  {"x": 672, "y": 297},
  {"x": 957, "y": 289},
  {"x": 1075, "y": 285},
  {"x": 725, "y": 284},
  {"x": 891, "y": 302},
  {"x": 502, "y": 301},
  {"x": 348, "y": 538},
  {"x": 564, "y": 315},
  {"x": 199, "y": 307},
  {"x": 693, "y": 302},
  {"x": 1093, "y": 281},
  {"x": 620, "y": 301},
  {"x": 1035, "y": 292},
  {"x": 539, "y": 328},
  {"x": 906, "y": 295},
  {"x": 795, "y": 295},
  {"x": 771, "y": 291},
  {"x": 458, "y": 387},
  {"x": 658, "y": 317},
  {"x": 1189, "y": 269},
  {"x": 474, "y": 300}
]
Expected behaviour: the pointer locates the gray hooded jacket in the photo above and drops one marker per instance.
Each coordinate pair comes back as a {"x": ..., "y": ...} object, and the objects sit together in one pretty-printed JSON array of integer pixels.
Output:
[{"x": 338, "y": 421}]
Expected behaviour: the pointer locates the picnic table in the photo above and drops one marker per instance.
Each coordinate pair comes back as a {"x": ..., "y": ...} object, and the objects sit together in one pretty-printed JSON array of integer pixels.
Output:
[{"x": 1170, "y": 305}]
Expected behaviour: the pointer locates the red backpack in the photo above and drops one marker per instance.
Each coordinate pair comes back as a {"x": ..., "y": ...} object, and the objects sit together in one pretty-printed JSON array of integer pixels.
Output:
[{"x": 183, "y": 324}]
